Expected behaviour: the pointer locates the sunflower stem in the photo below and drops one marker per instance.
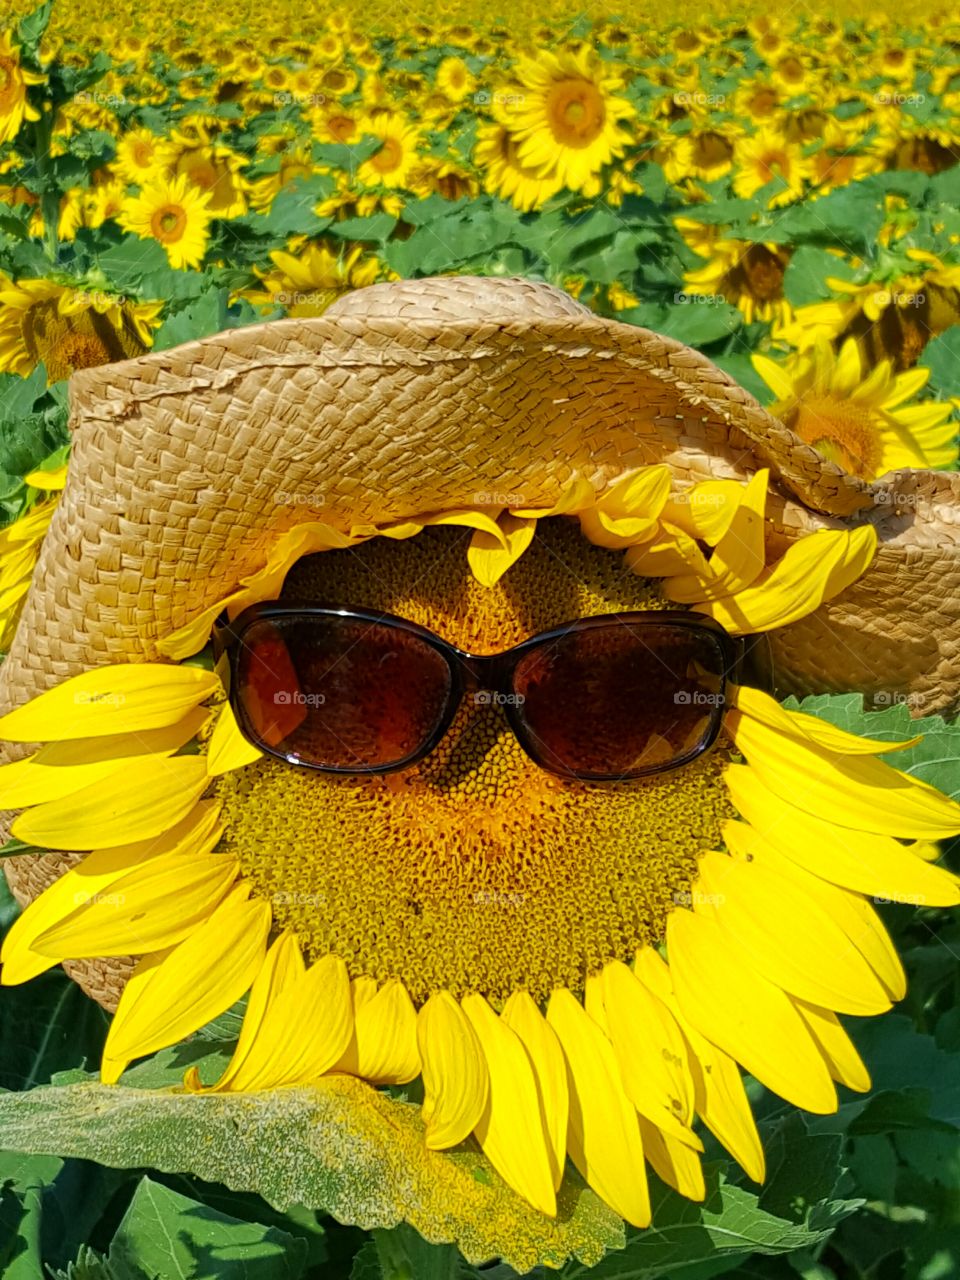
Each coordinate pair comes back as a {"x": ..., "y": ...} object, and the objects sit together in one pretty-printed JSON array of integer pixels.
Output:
[{"x": 405, "y": 1255}]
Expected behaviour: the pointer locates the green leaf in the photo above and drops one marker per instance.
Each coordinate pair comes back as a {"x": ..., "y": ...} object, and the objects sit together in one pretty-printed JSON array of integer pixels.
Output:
[
  {"x": 686, "y": 1237},
  {"x": 360, "y": 1156},
  {"x": 125, "y": 264},
  {"x": 935, "y": 759},
  {"x": 45, "y": 1027},
  {"x": 22, "y": 1179},
  {"x": 164, "y": 1234},
  {"x": 805, "y": 279},
  {"x": 941, "y": 356},
  {"x": 377, "y": 227},
  {"x": 31, "y": 28}
]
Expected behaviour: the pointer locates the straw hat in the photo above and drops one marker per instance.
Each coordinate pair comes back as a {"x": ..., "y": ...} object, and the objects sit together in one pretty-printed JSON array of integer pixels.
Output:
[{"x": 424, "y": 395}]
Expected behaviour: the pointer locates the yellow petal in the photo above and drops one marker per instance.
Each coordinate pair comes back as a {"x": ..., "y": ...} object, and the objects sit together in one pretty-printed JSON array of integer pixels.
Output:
[
  {"x": 843, "y": 1062},
  {"x": 229, "y": 749},
  {"x": 744, "y": 1014},
  {"x": 774, "y": 375},
  {"x": 677, "y": 1164},
  {"x": 669, "y": 553},
  {"x": 739, "y": 557},
  {"x": 143, "y": 800},
  {"x": 848, "y": 910},
  {"x": 577, "y": 494},
  {"x": 761, "y": 707},
  {"x": 456, "y": 1082},
  {"x": 496, "y": 529},
  {"x": 851, "y": 791},
  {"x": 47, "y": 480},
  {"x": 785, "y": 934},
  {"x": 282, "y": 967},
  {"x": 197, "y": 834},
  {"x": 111, "y": 1067},
  {"x": 194, "y": 983},
  {"x": 62, "y": 768},
  {"x": 650, "y": 1050},
  {"x": 813, "y": 569},
  {"x": 522, "y": 1016},
  {"x": 304, "y": 1031},
  {"x": 604, "y": 1134},
  {"x": 490, "y": 557},
  {"x": 128, "y": 697},
  {"x": 719, "y": 1096},
  {"x": 639, "y": 493},
  {"x": 156, "y": 905},
  {"x": 876, "y": 865},
  {"x": 704, "y": 511},
  {"x": 383, "y": 1048},
  {"x": 511, "y": 1130}
]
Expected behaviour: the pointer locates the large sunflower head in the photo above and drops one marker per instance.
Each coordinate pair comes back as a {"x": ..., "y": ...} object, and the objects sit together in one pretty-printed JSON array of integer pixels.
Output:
[
  {"x": 868, "y": 423},
  {"x": 67, "y": 327},
  {"x": 572, "y": 969},
  {"x": 566, "y": 113}
]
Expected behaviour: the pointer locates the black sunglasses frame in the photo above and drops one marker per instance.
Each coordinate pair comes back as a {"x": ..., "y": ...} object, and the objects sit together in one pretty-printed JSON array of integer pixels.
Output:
[{"x": 469, "y": 672}]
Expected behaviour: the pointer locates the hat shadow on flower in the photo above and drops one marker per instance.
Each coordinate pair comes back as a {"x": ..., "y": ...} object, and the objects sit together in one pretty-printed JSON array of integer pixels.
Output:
[{"x": 451, "y": 922}]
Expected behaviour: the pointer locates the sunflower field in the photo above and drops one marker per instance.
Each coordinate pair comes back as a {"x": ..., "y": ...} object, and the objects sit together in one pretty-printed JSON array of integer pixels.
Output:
[{"x": 778, "y": 188}]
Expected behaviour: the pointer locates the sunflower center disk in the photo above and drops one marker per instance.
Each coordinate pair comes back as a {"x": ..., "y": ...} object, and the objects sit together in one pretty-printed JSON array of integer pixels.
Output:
[
  {"x": 842, "y": 430},
  {"x": 475, "y": 870}
]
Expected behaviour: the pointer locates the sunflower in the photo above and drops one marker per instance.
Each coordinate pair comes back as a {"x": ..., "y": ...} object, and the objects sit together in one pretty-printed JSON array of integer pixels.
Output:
[
  {"x": 295, "y": 162},
  {"x": 67, "y": 328},
  {"x": 391, "y": 164},
  {"x": 768, "y": 157},
  {"x": 565, "y": 113},
  {"x": 215, "y": 170},
  {"x": 497, "y": 155},
  {"x": 892, "y": 317},
  {"x": 864, "y": 423},
  {"x": 454, "y": 79},
  {"x": 142, "y": 155},
  {"x": 15, "y": 79},
  {"x": 494, "y": 930},
  {"x": 747, "y": 273},
  {"x": 172, "y": 212},
  {"x": 306, "y": 283},
  {"x": 706, "y": 153}
]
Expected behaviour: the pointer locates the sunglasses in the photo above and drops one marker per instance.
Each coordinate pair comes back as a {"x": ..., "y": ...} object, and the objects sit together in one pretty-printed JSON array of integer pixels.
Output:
[{"x": 600, "y": 699}]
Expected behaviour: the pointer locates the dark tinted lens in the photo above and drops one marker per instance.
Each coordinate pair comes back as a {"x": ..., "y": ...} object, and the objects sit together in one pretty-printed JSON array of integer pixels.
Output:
[
  {"x": 621, "y": 699},
  {"x": 339, "y": 691}
]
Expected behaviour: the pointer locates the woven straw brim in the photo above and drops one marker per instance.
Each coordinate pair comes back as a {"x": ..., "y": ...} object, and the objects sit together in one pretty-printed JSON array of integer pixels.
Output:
[{"x": 429, "y": 395}]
